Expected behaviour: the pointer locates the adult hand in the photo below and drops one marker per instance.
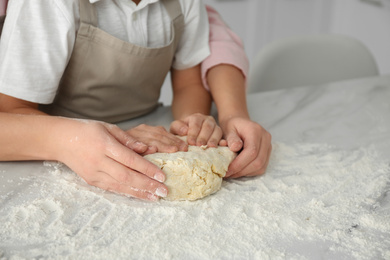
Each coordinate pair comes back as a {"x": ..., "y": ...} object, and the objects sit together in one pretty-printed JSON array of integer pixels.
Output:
[
  {"x": 158, "y": 139},
  {"x": 200, "y": 130},
  {"x": 108, "y": 158},
  {"x": 253, "y": 141}
]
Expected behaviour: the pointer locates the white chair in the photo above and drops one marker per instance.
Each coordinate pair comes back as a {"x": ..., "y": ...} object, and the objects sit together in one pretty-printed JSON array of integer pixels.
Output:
[{"x": 310, "y": 60}]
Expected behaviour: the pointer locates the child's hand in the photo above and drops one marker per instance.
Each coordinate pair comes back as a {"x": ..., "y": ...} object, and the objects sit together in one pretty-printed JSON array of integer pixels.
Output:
[
  {"x": 158, "y": 139},
  {"x": 199, "y": 129},
  {"x": 108, "y": 158},
  {"x": 253, "y": 141}
]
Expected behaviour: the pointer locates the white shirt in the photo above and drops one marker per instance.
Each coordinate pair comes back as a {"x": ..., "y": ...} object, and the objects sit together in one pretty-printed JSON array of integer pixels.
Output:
[{"x": 38, "y": 39}]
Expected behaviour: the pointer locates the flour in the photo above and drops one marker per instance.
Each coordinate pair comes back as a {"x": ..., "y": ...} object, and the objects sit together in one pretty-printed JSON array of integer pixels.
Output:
[{"x": 315, "y": 201}]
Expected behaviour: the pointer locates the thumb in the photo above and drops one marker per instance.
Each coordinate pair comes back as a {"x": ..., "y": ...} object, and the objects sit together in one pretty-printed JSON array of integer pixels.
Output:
[
  {"x": 179, "y": 127},
  {"x": 234, "y": 141}
]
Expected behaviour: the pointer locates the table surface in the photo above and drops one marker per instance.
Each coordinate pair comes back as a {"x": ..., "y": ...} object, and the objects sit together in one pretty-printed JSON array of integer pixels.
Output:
[{"x": 326, "y": 193}]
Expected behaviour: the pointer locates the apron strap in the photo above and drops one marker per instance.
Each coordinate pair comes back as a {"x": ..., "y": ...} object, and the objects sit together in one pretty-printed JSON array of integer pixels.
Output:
[
  {"x": 173, "y": 8},
  {"x": 88, "y": 13}
]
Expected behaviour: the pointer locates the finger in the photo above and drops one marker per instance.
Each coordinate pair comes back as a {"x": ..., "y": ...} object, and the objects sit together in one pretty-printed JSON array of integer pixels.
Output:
[
  {"x": 234, "y": 141},
  {"x": 136, "y": 162},
  {"x": 215, "y": 138},
  {"x": 195, "y": 126},
  {"x": 168, "y": 144},
  {"x": 107, "y": 182},
  {"x": 159, "y": 137},
  {"x": 134, "y": 179},
  {"x": 151, "y": 150},
  {"x": 183, "y": 145},
  {"x": 245, "y": 157},
  {"x": 162, "y": 147},
  {"x": 127, "y": 140},
  {"x": 260, "y": 171},
  {"x": 206, "y": 131},
  {"x": 259, "y": 165},
  {"x": 223, "y": 142},
  {"x": 179, "y": 127}
]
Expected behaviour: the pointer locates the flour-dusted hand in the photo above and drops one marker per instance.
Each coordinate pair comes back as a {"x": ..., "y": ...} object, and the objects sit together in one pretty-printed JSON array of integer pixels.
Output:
[
  {"x": 108, "y": 158},
  {"x": 158, "y": 139},
  {"x": 227, "y": 86},
  {"x": 253, "y": 141},
  {"x": 102, "y": 154},
  {"x": 200, "y": 130},
  {"x": 191, "y": 108}
]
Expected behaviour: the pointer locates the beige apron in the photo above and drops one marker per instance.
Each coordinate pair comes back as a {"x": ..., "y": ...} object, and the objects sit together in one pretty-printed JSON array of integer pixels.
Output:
[{"x": 112, "y": 80}]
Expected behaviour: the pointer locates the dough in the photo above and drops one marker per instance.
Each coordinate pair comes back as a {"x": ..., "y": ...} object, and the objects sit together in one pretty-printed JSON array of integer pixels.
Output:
[{"x": 194, "y": 174}]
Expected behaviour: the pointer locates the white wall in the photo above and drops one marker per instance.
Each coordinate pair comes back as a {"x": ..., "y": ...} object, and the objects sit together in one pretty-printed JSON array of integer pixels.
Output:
[
  {"x": 259, "y": 22},
  {"x": 368, "y": 22}
]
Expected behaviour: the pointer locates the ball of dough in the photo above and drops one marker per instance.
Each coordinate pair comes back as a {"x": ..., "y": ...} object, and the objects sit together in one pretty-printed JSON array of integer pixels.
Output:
[{"x": 194, "y": 174}]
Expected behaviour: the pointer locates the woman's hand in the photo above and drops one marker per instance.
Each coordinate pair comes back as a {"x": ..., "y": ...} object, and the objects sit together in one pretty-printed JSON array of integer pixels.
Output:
[
  {"x": 199, "y": 129},
  {"x": 108, "y": 158},
  {"x": 253, "y": 141},
  {"x": 157, "y": 139}
]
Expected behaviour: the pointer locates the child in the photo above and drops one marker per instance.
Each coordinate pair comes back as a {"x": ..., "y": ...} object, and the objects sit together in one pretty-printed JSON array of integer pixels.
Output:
[
  {"x": 226, "y": 70},
  {"x": 190, "y": 103},
  {"x": 224, "y": 74}
]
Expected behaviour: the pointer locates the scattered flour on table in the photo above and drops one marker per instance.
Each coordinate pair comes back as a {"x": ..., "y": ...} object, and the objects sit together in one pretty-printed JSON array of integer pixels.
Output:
[{"x": 314, "y": 201}]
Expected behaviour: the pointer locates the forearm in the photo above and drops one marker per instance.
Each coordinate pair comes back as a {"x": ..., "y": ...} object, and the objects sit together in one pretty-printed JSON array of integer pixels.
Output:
[
  {"x": 27, "y": 137},
  {"x": 189, "y": 95},
  {"x": 190, "y": 101},
  {"x": 13, "y": 105},
  {"x": 227, "y": 86}
]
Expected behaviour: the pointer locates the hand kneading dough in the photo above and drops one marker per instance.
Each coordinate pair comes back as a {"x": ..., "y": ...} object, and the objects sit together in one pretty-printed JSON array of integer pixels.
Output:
[{"x": 194, "y": 174}]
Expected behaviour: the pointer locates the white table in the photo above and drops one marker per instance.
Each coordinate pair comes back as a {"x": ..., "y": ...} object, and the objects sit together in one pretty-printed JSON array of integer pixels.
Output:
[{"x": 326, "y": 193}]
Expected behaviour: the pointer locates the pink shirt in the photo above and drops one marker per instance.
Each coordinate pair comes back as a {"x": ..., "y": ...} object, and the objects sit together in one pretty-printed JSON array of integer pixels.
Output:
[
  {"x": 225, "y": 46},
  {"x": 3, "y": 7}
]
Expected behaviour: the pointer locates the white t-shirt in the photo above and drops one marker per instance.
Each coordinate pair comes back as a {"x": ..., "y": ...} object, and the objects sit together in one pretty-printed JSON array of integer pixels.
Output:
[{"x": 38, "y": 39}]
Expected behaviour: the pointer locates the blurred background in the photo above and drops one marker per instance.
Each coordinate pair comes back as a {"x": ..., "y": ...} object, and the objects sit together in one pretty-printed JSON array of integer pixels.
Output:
[{"x": 259, "y": 22}]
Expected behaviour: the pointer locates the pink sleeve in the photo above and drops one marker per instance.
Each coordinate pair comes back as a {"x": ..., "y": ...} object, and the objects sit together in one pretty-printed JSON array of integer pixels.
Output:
[
  {"x": 3, "y": 7},
  {"x": 225, "y": 47}
]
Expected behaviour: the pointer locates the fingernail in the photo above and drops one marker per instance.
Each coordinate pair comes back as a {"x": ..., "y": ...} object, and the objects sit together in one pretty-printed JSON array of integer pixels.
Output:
[
  {"x": 161, "y": 192},
  {"x": 228, "y": 173},
  {"x": 173, "y": 149},
  {"x": 140, "y": 144},
  {"x": 191, "y": 140},
  {"x": 201, "y": 142},
  {"x": 183, "y": 130},
  {"x": 212, "y": 144},
  {"x": 159, "y": 177},
  {"x": 184, "y": 148},
  {"x": 153, "y": 197}
]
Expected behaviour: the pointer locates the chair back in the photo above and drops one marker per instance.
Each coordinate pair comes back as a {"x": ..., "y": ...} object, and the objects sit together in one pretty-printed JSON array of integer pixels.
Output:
[{"x": 310, "y": 60}]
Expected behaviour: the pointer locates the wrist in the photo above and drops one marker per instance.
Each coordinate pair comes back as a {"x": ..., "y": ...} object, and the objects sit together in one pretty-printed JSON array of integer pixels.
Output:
[
  {"x": 61, "y": 134},
  {"x": 226, "y": 115}
]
